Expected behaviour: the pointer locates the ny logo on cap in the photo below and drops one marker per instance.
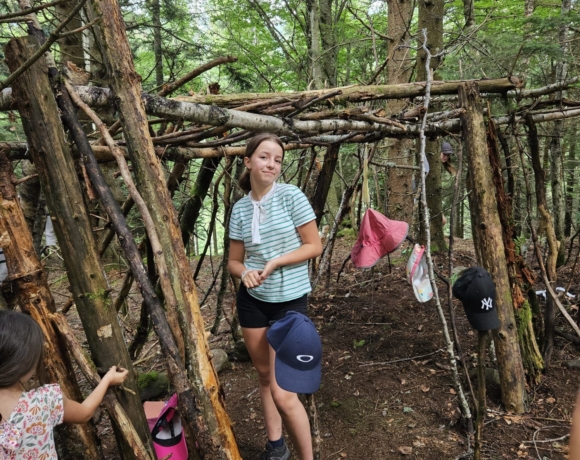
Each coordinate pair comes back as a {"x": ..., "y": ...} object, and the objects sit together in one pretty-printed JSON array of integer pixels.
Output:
[{"x": 486, "y": 304}]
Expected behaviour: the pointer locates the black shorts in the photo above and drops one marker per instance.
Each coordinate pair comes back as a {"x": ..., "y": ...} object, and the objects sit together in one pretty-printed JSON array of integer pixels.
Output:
[{"x": 255, "y": 313}]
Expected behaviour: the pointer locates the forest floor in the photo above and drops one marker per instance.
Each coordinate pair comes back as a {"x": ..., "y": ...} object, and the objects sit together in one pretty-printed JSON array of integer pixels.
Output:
[{"x": 387, "y": 388}]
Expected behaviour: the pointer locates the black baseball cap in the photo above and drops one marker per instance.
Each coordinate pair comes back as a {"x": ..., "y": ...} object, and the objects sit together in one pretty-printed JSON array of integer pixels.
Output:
[{"x": 476, "y": 290}]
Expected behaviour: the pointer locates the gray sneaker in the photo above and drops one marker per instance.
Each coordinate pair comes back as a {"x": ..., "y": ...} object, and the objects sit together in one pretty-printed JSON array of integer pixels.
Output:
[{"x": 276, "y": 453}]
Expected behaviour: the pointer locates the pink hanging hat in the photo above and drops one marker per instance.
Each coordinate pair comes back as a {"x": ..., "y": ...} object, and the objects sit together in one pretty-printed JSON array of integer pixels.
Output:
[{"x": 378, "y": 236}]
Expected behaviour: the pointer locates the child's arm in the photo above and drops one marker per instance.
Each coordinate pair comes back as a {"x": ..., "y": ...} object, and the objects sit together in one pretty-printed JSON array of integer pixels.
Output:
[{"x": 75, "y": 412}]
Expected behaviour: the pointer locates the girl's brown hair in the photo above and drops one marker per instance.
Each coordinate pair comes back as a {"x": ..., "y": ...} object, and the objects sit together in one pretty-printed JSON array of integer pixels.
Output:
[
  {"x": 251, "y": 147},
  {"x": 21, "y": 342}
]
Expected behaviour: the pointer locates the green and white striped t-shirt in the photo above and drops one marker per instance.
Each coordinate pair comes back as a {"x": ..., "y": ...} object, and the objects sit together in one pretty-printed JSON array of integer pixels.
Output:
[{"x": 287, "y": 209}]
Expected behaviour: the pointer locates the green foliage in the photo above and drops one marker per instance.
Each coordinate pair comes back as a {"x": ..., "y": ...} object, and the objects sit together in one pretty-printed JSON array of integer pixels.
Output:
[
  {"x": 144, "y": 380},
  {"x": 358, "y": 343}
]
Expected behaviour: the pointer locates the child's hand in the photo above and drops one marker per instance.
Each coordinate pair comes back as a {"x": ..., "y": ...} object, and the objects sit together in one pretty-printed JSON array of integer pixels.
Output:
[{"x": 116, "y": 376}]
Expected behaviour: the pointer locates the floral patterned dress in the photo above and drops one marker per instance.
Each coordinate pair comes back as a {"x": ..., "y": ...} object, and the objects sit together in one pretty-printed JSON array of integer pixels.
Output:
[{"x": 27, "y": 434}]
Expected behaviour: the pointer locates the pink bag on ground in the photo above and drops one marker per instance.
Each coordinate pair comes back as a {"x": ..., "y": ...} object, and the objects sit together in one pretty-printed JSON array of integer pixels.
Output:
[
  {"x": 378, "y": 236},
  {"x": 167, "y": 433}
]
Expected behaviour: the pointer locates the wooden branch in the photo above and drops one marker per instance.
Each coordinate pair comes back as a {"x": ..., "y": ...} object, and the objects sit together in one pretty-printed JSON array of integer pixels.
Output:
[
  {"x": 80, "y": 29},
  {"x": 164, "y": 279},
  {"x": 34, "y": 9},
  {"x": 21, "y": 19},
  {"x": 465, "y": 411},
  {"x": 115, "y": 409},
  {"x": 54, "y": 36},
  {"x": 168, "y": 339},
  {"x": 170, "y": 87}
]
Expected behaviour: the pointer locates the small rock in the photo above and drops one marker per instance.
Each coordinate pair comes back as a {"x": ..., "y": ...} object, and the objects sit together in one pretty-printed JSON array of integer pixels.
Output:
[
  {"x": 240, "y": 352},
  {"x": 153, "y": 386},
  {"x": 219, "y": 359},
  {"x": 491, "y": 376},
  {"x": 573, "y": 364}
]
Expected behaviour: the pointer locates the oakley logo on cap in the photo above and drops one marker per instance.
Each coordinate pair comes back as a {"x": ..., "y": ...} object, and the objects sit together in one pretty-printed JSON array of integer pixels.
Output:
[
  {"x": 487, "y": 304},
  {"x": 304, "y": 358}
]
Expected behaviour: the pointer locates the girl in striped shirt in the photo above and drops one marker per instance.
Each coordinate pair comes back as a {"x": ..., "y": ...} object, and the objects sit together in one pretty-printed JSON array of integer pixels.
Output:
[{"x": 273, "y": 234}]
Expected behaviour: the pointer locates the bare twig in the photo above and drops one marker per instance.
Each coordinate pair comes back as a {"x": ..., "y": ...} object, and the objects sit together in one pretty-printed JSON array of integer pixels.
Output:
[
  {"x": 54, "y": 36},
  {"x": 34, "y": 9},
  {"x": 170, "y": 87},
  {"x": 465, "y": 411}
]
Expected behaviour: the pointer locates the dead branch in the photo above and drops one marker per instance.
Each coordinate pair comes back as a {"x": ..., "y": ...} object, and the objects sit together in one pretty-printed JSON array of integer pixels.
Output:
[
  {"x": 54, "y": 36},
  {"x": 164, "y": 279},
  {"x": 170, "y": 87},
  {"x": 28, "y": 11},
  {"x": 465, "y": 411}
]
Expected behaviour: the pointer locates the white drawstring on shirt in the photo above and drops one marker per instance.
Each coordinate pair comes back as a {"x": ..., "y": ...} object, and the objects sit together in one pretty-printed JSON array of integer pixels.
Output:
[{"x": 259, "y": 214}]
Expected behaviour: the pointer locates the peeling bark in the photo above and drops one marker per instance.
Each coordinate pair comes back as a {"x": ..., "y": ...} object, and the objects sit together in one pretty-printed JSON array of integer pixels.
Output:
[{"x": 491, "y": 254}]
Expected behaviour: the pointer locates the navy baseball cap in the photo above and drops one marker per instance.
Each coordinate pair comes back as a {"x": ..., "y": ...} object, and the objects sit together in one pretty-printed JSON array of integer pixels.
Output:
[
  {"x": 476, "y": 290},
  {"x": 446, "y": 148},
  {"x": 298, "y": 349}
]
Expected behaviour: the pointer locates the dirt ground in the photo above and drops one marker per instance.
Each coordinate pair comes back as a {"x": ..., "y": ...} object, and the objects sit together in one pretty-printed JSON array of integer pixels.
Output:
[{"x": 387, "y": 388}]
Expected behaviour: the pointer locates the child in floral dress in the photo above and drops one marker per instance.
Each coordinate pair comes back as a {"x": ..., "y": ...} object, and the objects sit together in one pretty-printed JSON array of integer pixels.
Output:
[{"x": 27, "y": 418}]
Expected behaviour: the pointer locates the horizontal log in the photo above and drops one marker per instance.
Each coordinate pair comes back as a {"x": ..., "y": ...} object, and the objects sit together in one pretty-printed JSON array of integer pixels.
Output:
[
  {"x": 358, "y": 93},
  {"x": 101, "y": 97},
  {"x": 18, "y": 150}
]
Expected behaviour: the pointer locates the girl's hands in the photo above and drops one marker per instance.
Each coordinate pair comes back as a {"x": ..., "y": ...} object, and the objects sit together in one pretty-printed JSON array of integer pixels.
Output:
[
  {"x": 116, "y": 376},
  {"x": 255, "y": 278},
  {"x": 268, "y": 269},
  {"x": 252, "y": 279}
]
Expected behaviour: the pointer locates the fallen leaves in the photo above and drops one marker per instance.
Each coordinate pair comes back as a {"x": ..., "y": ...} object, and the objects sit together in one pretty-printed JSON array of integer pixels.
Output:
[{"x": 405, "y": 450}]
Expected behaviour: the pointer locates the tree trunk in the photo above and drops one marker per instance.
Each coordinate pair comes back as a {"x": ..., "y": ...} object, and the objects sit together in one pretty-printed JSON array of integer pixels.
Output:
[
  {"x": 71, "y": 46},
  {"x": 546, "y": 228},
  {"x": 314, "y": 49},
  {"x": 324, "y": 181},
  {"x": 29, "y": 282},
  {"x": 194, "y": 203},
  {"x": 54, "y": 162},
  {"x": 487, "y": 229},
  {"x": 559, "y": 205},
  {"x": 157, "y": 41},
  {"x": 570, "y": 187},
  {"x": 431, "y": 19},
  {"x": 215, "y": 431},
  {"x": 401, "y": 151},
  {"x": 329, "y": 42},
  {"x": 520, "y": 276}
]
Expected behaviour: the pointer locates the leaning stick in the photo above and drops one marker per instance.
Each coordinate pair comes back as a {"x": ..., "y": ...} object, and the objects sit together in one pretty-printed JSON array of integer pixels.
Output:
[
  {"x": 164, "y": 279},
  {"x": 465, "y": 411}
]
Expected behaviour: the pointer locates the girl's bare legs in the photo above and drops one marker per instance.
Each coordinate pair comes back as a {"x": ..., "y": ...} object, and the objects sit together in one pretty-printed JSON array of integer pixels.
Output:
[
  {"x": 259, "y": 349},
  {"x": 277, "y": 404},
  {"x": 293, "y": 413}
]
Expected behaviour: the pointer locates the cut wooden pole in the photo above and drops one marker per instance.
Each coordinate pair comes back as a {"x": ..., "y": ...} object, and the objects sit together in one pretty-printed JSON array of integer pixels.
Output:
[
  {"x": 216, "y": 437},
  {"x": 51, "y": 155},
  {"x": 487, "y": 230},
  {"x": 29, "y": 282}
]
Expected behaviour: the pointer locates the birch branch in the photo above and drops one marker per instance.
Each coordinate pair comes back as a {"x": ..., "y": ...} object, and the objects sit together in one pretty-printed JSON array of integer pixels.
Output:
[{"x": 466, "y": 412}]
